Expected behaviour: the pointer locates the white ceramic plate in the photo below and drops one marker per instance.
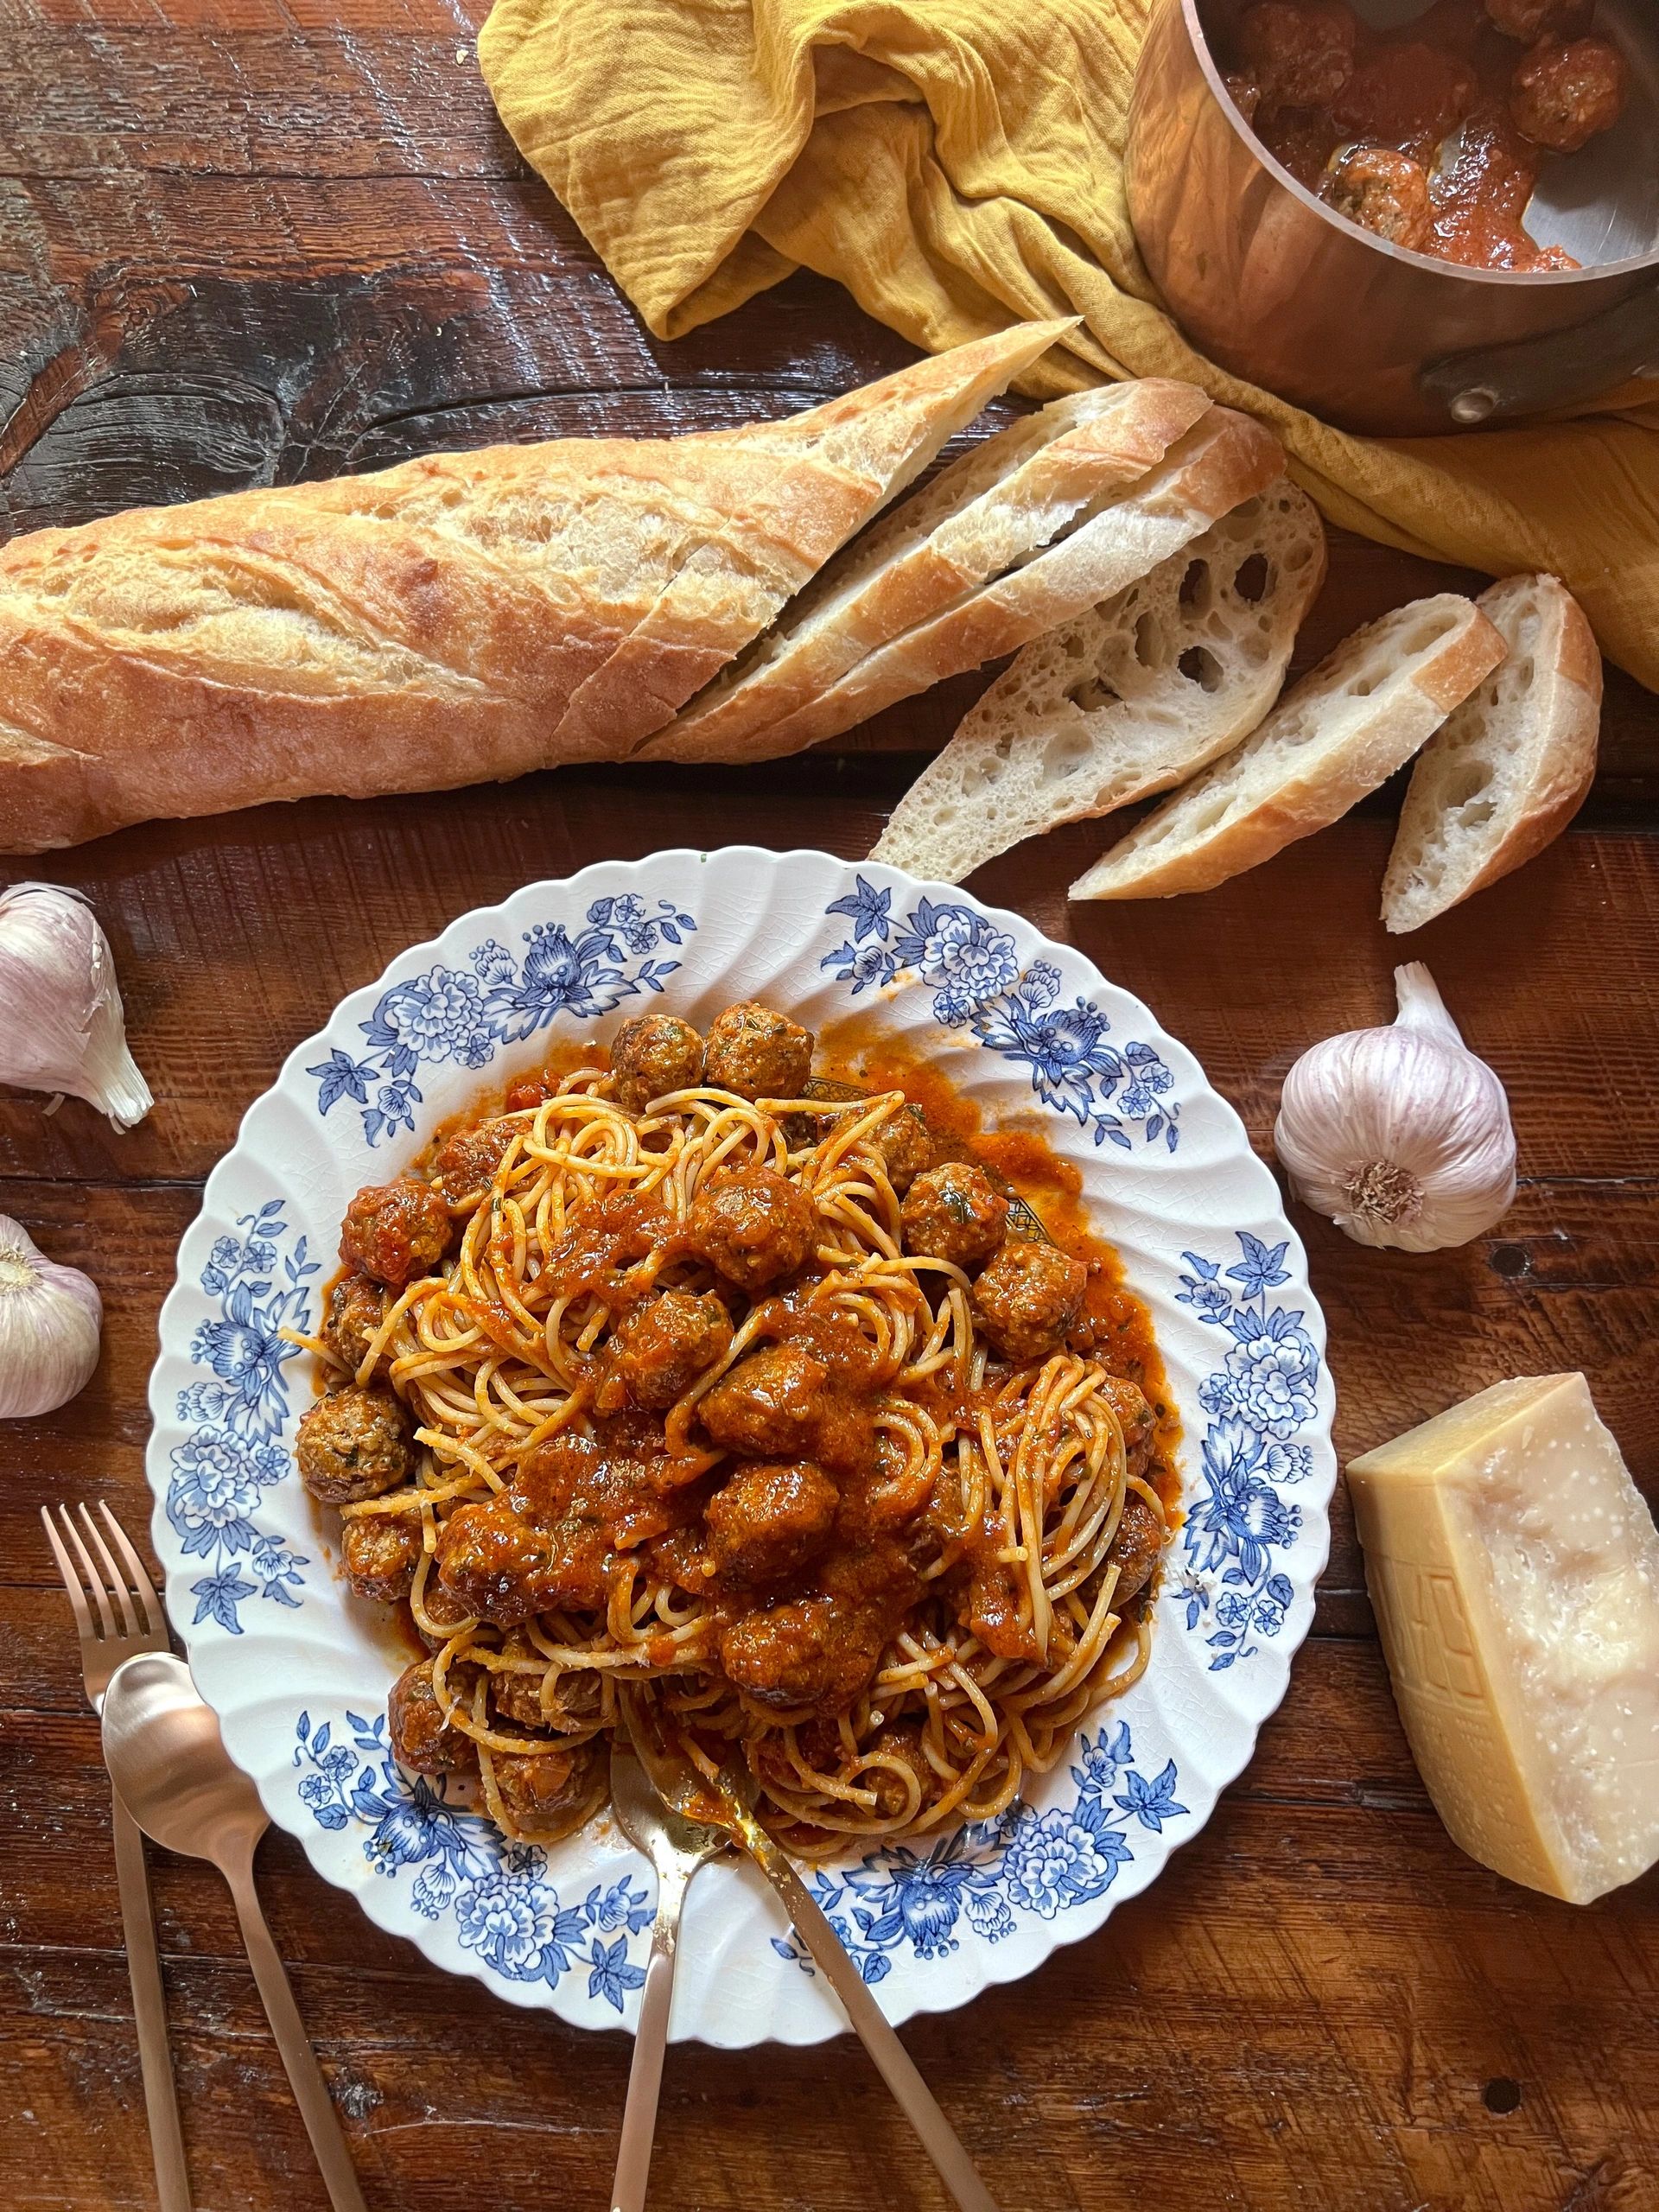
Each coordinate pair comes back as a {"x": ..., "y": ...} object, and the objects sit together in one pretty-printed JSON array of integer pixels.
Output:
[{"x": 297, "y": 1669}]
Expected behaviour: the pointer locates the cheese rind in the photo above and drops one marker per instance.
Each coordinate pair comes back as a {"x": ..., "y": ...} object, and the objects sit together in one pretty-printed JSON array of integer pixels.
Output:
[{"x": 1514, "y": 1572}]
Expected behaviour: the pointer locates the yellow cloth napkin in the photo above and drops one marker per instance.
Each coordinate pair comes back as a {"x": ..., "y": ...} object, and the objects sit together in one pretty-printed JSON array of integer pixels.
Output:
[{"x": 958, "y": 164}]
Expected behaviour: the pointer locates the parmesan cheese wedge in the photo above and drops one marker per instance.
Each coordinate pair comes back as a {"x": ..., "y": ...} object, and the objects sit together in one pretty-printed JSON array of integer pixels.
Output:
[{"x": 1515, "y": 1571}]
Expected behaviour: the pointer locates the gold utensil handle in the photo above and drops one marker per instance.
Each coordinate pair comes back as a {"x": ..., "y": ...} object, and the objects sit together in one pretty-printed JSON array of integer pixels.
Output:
[
  {"x": 294, "y": 2045},
  {"x": 915, "y": 2099},
  {"x": 650, "y": 2043},
  {"x": 150, "y": 2010}
]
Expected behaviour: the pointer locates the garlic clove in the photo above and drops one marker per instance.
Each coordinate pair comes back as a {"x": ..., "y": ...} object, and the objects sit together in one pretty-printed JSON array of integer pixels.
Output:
[
  {"x": 62, "y": 1027},
  {"x": 1400, "y": 1135},
  {"x": 51, "y": 1318}
]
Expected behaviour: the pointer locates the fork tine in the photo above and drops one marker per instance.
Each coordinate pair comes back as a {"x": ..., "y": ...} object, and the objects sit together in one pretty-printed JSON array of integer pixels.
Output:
[
  {"x": 115, "y": 1584},
  {"x": 143, "y": 1589},
  {"x": 93, "y": 1584},
  {"x": 71, "y": 1580}
]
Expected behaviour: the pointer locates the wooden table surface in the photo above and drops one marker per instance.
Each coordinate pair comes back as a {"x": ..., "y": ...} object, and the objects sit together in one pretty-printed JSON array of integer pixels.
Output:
[{"x": 243, "y": 241}]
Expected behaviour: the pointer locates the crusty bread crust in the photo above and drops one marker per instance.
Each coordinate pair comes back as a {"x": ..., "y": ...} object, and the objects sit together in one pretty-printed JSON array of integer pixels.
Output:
[
  {"x": 1132, "y": 696},
  {"x": 998, "y": 505},
  {"x": 1512, "y": 765},
  {"x": 1342, "y": 731},
  {"x": 435, "y": 623},
  {"x": 1225, "y": 459}
]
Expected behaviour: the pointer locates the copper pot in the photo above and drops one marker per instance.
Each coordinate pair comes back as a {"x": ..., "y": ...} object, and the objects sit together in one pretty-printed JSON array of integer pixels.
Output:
[{"x": 1274, "y": 285}]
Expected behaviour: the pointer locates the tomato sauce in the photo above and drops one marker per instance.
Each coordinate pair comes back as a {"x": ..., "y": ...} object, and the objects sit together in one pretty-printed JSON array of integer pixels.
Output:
[{"x": 1433, "y": 135}]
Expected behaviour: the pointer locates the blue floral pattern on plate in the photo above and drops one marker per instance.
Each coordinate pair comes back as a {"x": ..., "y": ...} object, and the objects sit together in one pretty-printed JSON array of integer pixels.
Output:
[
  {"x": 464, "y": 1015},
  {"x": 504, "y": 1908},
  {"x": 1029, "y": 1861},
  {"x": 235, "y": 1415},
  {"x": 1259, "y": 1400},
  {"x": 979, "y": 985}
]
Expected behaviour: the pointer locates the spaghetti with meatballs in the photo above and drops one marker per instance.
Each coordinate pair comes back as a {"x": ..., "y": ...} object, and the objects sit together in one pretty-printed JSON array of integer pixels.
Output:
[{"x": 678, "y": 1371}]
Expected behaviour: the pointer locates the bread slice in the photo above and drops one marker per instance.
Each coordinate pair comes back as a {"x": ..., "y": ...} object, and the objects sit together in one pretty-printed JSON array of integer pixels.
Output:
[
  {"x": 721, "y": 567},
  {"x": 1128, "y": 699},
  {"x": 1343, "y": 730},
  {"x": 999, "y": 503},
  {"x": 428, "y": 625},
  {"x": 1510, "y": 767},
  {"x": 1225, "y": 459}
]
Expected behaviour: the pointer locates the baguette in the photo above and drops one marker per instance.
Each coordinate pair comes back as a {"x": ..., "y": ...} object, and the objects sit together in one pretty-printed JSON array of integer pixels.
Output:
[
  {"x": 1511, "y": 766},
  {"x": 1225, "y": 459},
  {"x": 434, "y": 625},
  {"x": 996, "y": 507},
  {"x": 1340, "y": 732},
  {"x": 1128, "y": 699}
]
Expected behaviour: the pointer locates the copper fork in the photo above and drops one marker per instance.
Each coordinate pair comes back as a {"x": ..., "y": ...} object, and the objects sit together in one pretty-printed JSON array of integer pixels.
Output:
[{"x": 118, "y": 1615}]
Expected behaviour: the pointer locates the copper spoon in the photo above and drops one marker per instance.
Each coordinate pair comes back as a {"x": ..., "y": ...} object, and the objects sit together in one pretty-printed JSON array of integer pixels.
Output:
[
  {"x": 676, "y": 1848},
  {"x": 165, "y": 1755},
  {"x": 726, "y": 1805}
]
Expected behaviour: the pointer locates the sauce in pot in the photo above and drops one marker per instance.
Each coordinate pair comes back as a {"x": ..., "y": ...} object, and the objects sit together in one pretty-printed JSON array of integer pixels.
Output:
[{"x": 1432, "y": 135}]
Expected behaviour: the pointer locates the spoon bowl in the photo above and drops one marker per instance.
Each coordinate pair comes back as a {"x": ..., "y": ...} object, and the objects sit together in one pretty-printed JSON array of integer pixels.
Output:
[{"x": 168, "y": 1761}]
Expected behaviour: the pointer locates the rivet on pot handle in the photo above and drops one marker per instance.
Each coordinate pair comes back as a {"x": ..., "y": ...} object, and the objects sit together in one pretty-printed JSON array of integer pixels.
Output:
[{"x": 1555, "y": 372}]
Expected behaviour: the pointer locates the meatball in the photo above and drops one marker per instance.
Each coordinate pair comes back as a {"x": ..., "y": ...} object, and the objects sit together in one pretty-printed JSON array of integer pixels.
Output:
[
  {"x": 493, "y": 1562},
  {"x": 1529, "y": 20},
  {"x": 1135, "y": 1418},
  {"x": 396, "y": 1232},
  {"x": 754, "y": 1226},
  {"x": 1135, "y": 1549},
  {"x": 1302, "y": 55},
  {"x": 517, "y": 1696},
  {"x": 653, "y": 1054},
  {"x": 769, "y": 1405},
  {"x": 355, "y": 1443},
  {"x": 445, "y": 1612},
  {"x": 906, "y": 1148},
  {"x": 545, "y": 1793},
  {"x": 757, "y": 1053},
  {"x": 422, "y": 1739},
  {"x": 464, "y": 1168},
  {"x": 380, "y": 1553},
  {"x": 1561, "y": 96},
  {"x": 769, "y": 1519},
  {"x": 1381, "y": 191},
  {"x": 659, "y": 1348},
  {"x": 357, "y": 1306},
  {"x": 954, "y": 1212},
  {"x": 808, "y": 1652},
  {"x": 1027, "y": 1298}
]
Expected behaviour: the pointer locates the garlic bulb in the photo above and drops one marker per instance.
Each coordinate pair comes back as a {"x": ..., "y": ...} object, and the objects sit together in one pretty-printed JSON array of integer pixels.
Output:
[
  {"x": 50, "y": 1318},
  {"x": 1400, "y": 1135},
  {"x": 61, "y": 1026}
]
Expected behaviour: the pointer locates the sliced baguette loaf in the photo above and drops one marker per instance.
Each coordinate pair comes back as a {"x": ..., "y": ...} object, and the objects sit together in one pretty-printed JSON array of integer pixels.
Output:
[
  {"x": 1510, "y": 767},
  {"x": 1226, "y": 458},
  {"x": 1128, "y": 699},
  {"x": 428, "y": 625},
  {"x": 996, "y": 507},
  {"x": 720, "y": 567},
  {"x": 1343, "y": 730}
]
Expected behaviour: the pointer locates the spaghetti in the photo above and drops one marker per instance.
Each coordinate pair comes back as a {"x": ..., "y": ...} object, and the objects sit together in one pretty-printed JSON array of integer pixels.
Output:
[{"x": 732, "y": 1397}]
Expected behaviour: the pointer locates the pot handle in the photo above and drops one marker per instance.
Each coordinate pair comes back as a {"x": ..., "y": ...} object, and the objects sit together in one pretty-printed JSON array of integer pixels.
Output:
[{"x": 1537, "y": 373}]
